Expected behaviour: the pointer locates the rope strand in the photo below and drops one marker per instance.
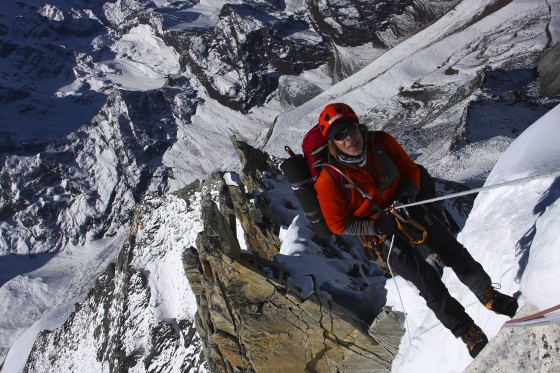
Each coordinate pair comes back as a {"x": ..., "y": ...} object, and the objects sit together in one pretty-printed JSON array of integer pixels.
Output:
[
  {"x": 482, "y": 189},
  {"x": 398, "y": 291}
]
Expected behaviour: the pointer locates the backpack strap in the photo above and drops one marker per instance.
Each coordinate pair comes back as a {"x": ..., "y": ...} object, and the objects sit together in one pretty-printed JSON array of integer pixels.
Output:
[
  {"x": 315, "y": 153},
  {"x": 319, "y": 149},
  {"x": 345, "y": 182},
  {"x": 337, "y": 177}
]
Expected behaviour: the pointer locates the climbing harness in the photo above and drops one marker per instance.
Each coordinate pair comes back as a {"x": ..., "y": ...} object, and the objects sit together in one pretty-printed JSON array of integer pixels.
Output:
[
  {"x": 406, "y": 225},
  {"x": 373, "y": 246}
]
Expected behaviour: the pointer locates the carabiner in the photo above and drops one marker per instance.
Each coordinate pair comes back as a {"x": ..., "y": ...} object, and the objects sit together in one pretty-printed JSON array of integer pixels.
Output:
[
  {"x": 400, "y": 213},
  {"x": 417, "y": 227}
]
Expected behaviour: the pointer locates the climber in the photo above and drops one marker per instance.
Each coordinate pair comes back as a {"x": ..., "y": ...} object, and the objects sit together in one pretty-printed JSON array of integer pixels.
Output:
[{"x": 378, "y": 174}]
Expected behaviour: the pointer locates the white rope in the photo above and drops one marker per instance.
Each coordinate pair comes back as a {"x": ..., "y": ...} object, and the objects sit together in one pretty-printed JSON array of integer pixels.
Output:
[
  {"x": 384, "y": 343},
  {"x": 398, "y": 291},
  {"x": 482, "y": 189}
]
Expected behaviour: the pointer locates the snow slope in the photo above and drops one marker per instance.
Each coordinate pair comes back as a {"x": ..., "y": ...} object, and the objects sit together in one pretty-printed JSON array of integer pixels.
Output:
[
  {"x": 39, "y": 292},
  {"x": 512, "y": 232}
]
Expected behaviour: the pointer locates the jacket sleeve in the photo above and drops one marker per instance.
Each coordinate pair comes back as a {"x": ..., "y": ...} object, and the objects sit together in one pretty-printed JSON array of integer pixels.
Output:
[
  {"x": 332, "y": 202},
  {"x": 409, "y": 184}
]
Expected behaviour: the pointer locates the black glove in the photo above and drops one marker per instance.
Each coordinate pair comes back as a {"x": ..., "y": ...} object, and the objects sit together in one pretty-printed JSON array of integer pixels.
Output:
[
  {"x": 405, "y": 198},
  {"x": 406, "y": 193},
  {"x": 385, "y": 225}
]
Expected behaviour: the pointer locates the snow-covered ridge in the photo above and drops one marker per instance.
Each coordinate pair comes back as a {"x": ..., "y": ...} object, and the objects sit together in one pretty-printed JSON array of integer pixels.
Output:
[{"x": 140, "y": 311}]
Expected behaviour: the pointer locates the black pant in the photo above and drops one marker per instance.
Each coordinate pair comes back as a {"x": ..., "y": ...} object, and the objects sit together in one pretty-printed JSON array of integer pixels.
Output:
[{"x": 411, "y": 266}]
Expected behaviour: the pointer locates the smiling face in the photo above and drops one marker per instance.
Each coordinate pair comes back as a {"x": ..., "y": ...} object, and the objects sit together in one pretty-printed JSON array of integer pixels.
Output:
[{"x": 351, "y": 144}]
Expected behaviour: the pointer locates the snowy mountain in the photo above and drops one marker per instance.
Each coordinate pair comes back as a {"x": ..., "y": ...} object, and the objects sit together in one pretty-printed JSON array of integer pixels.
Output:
[{"x": 108, "y": 105}]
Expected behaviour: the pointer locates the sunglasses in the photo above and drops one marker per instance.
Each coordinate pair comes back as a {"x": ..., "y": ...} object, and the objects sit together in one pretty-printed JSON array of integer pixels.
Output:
[{"x": 348, "y": 131}]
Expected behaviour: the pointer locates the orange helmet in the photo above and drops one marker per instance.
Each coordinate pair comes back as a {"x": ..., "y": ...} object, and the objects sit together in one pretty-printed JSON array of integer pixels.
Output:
[{"x": 336, "y": 116}]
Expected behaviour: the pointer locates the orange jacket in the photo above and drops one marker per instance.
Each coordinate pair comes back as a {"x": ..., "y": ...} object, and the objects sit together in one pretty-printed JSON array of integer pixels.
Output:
[{"x": 388, "y": 172}]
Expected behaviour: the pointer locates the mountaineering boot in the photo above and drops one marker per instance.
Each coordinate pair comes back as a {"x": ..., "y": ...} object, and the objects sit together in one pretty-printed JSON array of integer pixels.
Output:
[
  {"x": 475, "y": 339},
  {"x": 498, "y": 302}
]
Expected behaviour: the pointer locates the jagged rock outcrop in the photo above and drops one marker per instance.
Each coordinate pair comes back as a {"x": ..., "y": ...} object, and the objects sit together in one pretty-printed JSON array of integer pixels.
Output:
[
  {"x": 549, "y": 72},
  {"x": 255, "y": 46},
  {"x": 254, "y": 323},
  {"x": 251, "y": 320},
  {"x": 351, "y": 23},
  {"x": 259, "y": 225}
]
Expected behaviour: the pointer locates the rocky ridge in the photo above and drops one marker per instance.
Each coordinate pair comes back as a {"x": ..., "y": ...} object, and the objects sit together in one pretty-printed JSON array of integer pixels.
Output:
[{"x": 249, "y": 318}]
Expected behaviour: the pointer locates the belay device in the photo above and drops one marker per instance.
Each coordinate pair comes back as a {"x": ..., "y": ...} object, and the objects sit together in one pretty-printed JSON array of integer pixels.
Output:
[{"x": 299, "y": 176}]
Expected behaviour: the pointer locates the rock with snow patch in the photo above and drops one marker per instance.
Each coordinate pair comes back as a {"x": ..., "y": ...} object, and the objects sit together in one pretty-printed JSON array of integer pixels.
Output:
[
  {"x": 250, "y": 320},
  {"x": 521, "y": 349}
]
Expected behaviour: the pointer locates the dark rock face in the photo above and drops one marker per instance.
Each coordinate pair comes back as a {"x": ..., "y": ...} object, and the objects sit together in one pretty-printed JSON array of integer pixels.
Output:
[
  {"x": 352, "y": 23},
  {"x": 549, "y": 72},
  {"x": 257, "y": 46}
]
